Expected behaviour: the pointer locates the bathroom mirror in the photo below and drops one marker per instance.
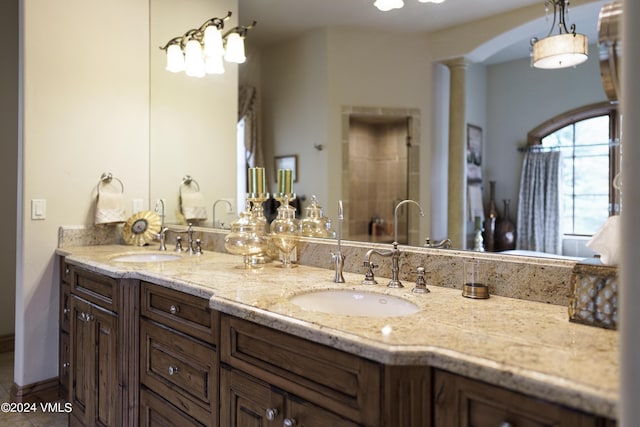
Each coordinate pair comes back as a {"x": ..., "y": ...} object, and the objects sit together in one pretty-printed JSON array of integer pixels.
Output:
[{"x": 317, "y": 166}]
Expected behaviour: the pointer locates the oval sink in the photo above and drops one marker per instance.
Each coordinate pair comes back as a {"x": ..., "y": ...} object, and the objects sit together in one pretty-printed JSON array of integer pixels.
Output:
[
  {"x": 145, "y": 257},
  {"x": 354, "y": 303}
]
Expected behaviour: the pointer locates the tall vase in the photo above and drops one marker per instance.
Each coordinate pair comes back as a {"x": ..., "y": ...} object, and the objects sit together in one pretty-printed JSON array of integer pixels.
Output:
[
  {"x": 490, "y": 220},
  {"x": 505, "y": 230}
]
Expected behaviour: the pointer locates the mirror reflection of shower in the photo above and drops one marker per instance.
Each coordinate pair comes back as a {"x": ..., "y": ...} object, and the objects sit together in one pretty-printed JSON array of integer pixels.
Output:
[{"x": 378, "y": 167}]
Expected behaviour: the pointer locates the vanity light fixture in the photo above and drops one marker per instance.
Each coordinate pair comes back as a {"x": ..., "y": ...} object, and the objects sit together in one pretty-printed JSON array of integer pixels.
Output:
[
  {"x": 566, "y": 49},
  {"x": 200, "y": 51},
  {"x": 386, "y": 5}
]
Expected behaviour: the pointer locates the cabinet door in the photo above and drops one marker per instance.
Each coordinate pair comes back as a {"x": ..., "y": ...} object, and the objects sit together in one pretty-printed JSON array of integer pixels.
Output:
[
  {"x": 80, "y": 372},
  {"x": 93, "y": 381},
  {"x": 247, "y": 402},
  {"x": 463, "y": 402}
]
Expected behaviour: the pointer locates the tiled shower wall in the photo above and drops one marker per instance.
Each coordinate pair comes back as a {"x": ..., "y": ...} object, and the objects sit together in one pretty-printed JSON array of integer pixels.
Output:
[{"x": 378, "y": 167}]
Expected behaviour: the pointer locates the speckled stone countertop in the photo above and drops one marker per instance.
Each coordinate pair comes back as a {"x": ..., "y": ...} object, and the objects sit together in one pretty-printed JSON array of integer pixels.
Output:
[{"x": 525, "y": 346}]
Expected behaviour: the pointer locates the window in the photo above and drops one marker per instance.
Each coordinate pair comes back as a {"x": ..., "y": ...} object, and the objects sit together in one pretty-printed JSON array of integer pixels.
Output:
[{"x": 590, "y": 161}]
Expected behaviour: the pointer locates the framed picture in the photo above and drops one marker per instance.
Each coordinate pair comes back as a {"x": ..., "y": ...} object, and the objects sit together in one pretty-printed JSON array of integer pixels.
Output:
[
  {"x": 287, "y": 162},
  {"x": 474, "y": 153}
]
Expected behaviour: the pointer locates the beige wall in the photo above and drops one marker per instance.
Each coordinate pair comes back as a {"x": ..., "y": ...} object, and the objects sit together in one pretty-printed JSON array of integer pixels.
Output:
[
  {"x": 85, "y": 112},
  {"x": 192, "y": 120},
  {"x": 8, "y": 161}
]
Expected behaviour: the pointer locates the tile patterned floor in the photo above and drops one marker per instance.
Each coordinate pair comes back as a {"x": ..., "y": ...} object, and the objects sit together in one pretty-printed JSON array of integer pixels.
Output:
[{"x": 35, "y": 419}]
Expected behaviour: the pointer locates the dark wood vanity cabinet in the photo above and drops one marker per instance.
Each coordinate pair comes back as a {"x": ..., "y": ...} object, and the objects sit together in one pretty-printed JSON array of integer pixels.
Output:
[
  {"x": 101, "y": 380},
  {"x": 461, "y": 402},
  {"x": 178, "y": 359}
]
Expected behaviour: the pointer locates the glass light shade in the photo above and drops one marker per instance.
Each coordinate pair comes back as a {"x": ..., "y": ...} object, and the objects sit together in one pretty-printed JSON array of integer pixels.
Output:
[
  {"x": 213, "y": 42},
  {"x": 560, "y": 51},
  {"x": 386, "y": 5},
  {"x": 214, "y": 65},
  {"x": 431, "y": 1},
  {"x": 175, "y": 59},
  {"x": 193, "y": 59},
  {"x": 235, "y": 49}
]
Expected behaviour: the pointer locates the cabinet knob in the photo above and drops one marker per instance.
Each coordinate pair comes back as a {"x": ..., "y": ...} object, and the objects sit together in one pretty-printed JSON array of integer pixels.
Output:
[
  {"x": 66, "y": 365},
  {"x": 65, "y": 311},
  {"x": 85, "y": 317},
  {"x": 271, "y": 414},
  {"x": 174, "y": 309},
  {"x": 506, "y": 424},
  {"x": 289, "y": 422},
  {"x": 173, "y": 370},
  {"x": 67, "y": 271}
]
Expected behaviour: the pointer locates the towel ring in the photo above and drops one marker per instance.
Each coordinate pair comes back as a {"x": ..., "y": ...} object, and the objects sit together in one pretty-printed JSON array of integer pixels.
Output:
[
  {"x": 187, "y": 181},
  {"x": 106, "y": 178}
]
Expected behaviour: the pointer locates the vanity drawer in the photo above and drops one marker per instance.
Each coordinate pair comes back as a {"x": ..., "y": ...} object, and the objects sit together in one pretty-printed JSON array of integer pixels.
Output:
[
  {"x": 96, "y": 288},
  {"x": 464, "y": 401},
  {"x": 155, "y": 412},
  {"x": 338, "y": 381},
  {"x": 180, "y": 369},
  {"x": 183, "y": 312}
]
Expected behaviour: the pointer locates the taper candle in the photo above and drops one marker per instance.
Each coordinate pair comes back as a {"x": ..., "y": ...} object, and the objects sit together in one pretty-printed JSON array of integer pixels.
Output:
[
  {"x": 284, "y": 181},
  {"x": 260, "y": 183},
  {"x": 251, "y": 180}
]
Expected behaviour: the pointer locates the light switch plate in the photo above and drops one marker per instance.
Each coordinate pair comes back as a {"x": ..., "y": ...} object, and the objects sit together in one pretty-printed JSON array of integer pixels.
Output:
[{"x": 38, "y": 209}]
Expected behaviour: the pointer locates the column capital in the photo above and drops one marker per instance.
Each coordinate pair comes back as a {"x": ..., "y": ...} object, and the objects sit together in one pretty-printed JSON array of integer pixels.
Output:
[{"x": 460, "y": 62}]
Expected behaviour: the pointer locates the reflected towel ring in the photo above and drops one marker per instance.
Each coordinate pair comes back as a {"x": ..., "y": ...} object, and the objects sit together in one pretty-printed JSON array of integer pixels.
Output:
[
  {"x": 187, "y": 180},
  {"x": 106, "y": 178}
]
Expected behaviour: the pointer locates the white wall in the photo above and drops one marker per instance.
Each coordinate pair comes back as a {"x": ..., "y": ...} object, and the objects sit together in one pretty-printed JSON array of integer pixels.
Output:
[
  {"x": 294, "y": 80},
  {"x": 192, "y": 120},
  {"x": 307, "y": 81},
  {"x": 519, "y": 98},
  {"x": 8, "y": 164},
  {"x": 85, "y": 110}
]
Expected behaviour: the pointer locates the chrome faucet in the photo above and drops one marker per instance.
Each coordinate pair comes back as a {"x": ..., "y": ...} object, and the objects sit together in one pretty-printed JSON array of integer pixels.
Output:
[
  {"x": 163, "y": 230},
  {"x": 442, "y": 244},
  {"x": 394, "y": 253},
  {"x": 214, "y": 210},
  {"x": 338, "y": 257}
]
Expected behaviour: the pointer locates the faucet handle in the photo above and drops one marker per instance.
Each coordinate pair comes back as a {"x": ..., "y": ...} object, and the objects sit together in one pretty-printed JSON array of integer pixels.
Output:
[
  {"x": 178, "y": 244},
  {"x": 198, "y": 248},
  {"x": 421, "y": 283},
  {"x": 369, "y": 278}
]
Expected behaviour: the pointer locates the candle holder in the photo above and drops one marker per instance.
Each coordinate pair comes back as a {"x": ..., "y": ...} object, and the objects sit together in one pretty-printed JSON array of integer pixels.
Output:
[
  {"x": 257, "y": 211},
  {"x": 285, "y": 232},
  {"x": 246, "y": 238},
  {"x": 315, "y": 224}
]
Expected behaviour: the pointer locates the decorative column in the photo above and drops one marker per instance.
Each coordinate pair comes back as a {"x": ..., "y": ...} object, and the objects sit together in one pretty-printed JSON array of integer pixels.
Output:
[{"x": 457, "y": 188}]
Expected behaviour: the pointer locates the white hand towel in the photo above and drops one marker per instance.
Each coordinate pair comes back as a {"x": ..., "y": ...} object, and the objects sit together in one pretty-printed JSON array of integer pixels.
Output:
[
  {"x": 606, "y": 241},
  {"x": 110, "y": 208},
  {"x": 193, "y": 206}
]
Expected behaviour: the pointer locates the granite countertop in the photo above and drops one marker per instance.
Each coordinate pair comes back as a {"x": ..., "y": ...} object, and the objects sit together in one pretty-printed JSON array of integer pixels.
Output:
[{"x": 522, "y": 345}]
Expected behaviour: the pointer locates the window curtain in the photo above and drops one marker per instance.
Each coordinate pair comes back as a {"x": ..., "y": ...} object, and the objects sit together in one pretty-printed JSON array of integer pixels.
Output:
[
  {"x": 248, "y": 107},
  {"x": 538, "y": 226}
]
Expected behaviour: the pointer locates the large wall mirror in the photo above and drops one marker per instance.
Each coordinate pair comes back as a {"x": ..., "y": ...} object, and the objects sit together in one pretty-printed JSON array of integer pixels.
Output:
[{"x": 306, "y": 79}]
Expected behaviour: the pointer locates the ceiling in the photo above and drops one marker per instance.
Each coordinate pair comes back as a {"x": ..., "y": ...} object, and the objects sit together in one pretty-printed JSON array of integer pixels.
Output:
[{"x": 279, "y": 20}]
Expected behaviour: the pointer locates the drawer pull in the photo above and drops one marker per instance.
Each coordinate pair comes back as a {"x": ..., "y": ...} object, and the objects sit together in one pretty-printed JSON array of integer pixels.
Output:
[
  {"x": 66, "y": 365},
  {"x": 67, "y": 271},
  {"x": 173, "y": 370},
  {"x": 174, "y": 309},
  {"x": 506, "y": 424},
  {"x": 289, "y": 422},
  {"x": 66, "y": 310},
  {"x": 271, "y": 414}
]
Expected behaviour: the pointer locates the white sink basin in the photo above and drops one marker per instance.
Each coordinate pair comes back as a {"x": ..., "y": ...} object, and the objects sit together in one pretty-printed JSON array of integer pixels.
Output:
[
  {"x": 354, "y": 303},
  {"x": 145, "y": 257}
]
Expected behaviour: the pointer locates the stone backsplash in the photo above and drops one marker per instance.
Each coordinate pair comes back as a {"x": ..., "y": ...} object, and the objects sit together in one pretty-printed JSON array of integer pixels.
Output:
[{"x": 534, "y": 279}]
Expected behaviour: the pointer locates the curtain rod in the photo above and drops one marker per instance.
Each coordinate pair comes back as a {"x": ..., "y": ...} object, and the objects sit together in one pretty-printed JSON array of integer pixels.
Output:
[{"x": 540, "y": 147}]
